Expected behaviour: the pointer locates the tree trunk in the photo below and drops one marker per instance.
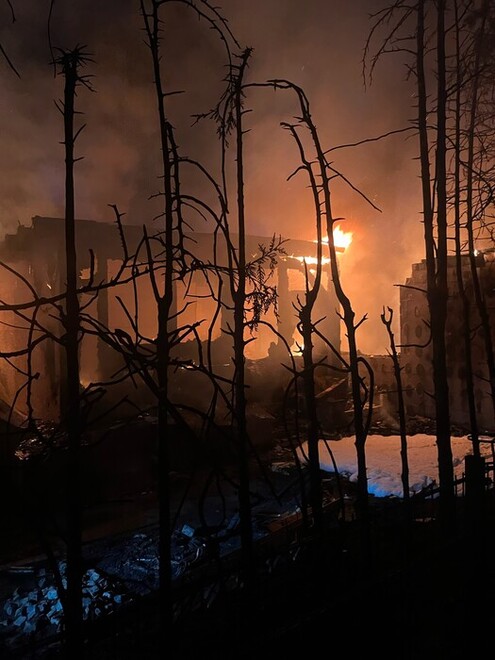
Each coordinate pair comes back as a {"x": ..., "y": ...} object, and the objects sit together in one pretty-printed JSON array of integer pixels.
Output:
[
  {"x": 465, "y": 301},
  {"x": 239, "y": 298},
  {"x": 71, "y": 414},
  {"x": 401, "y": 409},
  {"x": 436, "y": 265},
  {"x": 470, "y": 165},
  {"x": 165, "y": 325}
]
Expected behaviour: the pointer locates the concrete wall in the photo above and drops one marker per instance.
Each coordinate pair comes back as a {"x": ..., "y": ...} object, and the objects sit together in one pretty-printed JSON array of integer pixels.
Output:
[{"x": 416, "y": 351}]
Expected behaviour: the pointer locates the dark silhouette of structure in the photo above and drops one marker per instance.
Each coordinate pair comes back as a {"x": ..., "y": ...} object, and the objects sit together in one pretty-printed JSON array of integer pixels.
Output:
[{"x": 37, "y": 252}]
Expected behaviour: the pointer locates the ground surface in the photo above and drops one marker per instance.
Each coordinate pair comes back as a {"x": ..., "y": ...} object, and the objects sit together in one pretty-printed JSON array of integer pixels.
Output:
[{"x": 419, "y": 596}]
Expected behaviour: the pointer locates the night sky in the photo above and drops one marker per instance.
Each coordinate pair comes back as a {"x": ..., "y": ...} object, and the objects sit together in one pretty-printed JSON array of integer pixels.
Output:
[{"x": 317, "y": 43}]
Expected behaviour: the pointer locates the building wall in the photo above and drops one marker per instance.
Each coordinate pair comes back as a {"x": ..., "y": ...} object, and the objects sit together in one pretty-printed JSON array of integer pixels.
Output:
[{"x": 416, "y": 349}]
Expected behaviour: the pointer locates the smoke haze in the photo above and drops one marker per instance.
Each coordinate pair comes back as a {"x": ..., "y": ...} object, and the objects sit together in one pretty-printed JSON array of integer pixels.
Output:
[{"x": 316, "y": 44}]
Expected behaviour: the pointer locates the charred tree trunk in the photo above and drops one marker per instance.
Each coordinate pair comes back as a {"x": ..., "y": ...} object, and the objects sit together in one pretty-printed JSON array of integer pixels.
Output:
[
  {"x": 307, "y": 330},
  {"x": 401, "y": 409},
  {"x": 465, "y": 301},
  {"x": 438, "y": 297},
  {"x": 470, "y": 219},
  {"x": 70, "y": 63},
  {"x": 174, "y": 267},
  {"x": 315, "y": 486},
  {"x": 351, "y": 327},
  {"x": 348, "y": 314},
  {"x": 475, "y": 465},
  {"x": 165, "y": 325},
  {"x": 239, "y": 299},
  {"x": 436, "y": 264}
]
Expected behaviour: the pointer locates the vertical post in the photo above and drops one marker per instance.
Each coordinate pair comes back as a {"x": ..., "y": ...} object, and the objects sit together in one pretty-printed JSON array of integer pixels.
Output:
[
  {"x": 102, "y": 311},
  {"x": 285, "y": 327}
]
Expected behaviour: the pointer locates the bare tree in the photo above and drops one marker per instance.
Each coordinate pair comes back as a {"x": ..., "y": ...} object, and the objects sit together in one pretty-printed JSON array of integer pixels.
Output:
[
  {"x": 322, "y": 172},
  {"x": 70, "y": 63},
  {"x": 470, "y": 167},
  {"x": 305, "y": 311},
  {"x": 458, "y": 236},
  {"x": 360, "y": 393},
  {"x": 392, "y": 19},
  {"x": 173, "y": 269},
  {"x": 387, "y": 322}
]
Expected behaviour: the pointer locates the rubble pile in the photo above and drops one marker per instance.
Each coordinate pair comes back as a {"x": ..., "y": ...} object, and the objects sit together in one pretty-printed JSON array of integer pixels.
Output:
[
  {"x": 38, "y": 611},
  {"x": 134, "y": 561},
  {"x": 123, "y": 568},
  {"x": 128, "y": 569}
]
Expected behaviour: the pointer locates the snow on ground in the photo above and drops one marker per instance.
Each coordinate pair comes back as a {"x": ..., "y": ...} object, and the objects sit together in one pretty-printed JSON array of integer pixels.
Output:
[{"x": 384, "y": 462}]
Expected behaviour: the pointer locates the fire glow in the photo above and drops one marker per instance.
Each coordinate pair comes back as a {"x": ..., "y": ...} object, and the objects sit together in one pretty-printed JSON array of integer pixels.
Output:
[
  {"x": 341, "y": 239},
  {"x": 312, "y": 261}
]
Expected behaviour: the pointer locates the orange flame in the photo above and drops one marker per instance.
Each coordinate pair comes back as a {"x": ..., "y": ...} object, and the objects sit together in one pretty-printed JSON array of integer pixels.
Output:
[
  {"x": 312, "y": 261},
  {"x": 342, "y": 239}
]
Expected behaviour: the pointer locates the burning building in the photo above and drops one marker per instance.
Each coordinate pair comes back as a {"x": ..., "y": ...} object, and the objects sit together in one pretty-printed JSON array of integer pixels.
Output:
[
  {"x": 416, "y": 349},
  {"x": 34, "y": 270}
]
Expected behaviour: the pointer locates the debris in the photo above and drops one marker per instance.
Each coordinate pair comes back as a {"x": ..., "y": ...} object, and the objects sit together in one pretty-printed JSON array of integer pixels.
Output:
[
  {"x": 39, "y": 609},
  {"x": 282, "y": 467},
  {"x": 188, "y": 531}
]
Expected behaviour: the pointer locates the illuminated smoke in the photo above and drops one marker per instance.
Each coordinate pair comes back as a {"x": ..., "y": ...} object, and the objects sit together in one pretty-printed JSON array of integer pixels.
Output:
[{"x": 318, "y": 45}]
